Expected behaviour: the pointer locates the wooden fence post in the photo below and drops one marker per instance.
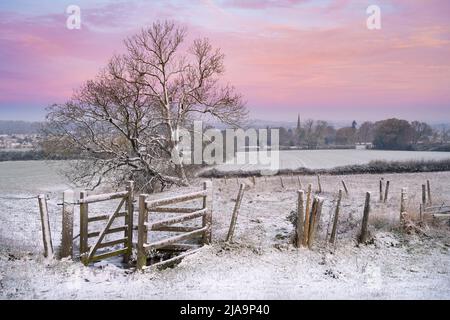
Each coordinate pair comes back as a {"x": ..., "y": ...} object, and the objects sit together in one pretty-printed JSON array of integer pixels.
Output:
[
  {"x": 84, "y": 209},
  {"x": 315, "y": 219},
  {"x": 365, "y": 221},
  {"x": 307, "y": 215},
  {"x": 424, "y": 194},
  {"x": 300, "y": 218},
  {"x": 381, "y": 190},
  {"x": 129, "y": 222},
  {"x": 319, "y": 184},
  {"x": 141, "y": 262},
  {"x": 386, "y": 194},
  {"x": 345, "y": 187},
  {"x": 404, "y": 199},
  {"x": 254, "y": 180},
  {"x": 45, "y": 223},
  {"x": 281, "y": 181},
  {"x": 300, "y": 185},
  {"x": 234, "y": 217},
  {"x": 207, "y": 218},
  {"x": 67, "y": 224},
  {"x": 430, "y": 201},
  {"x": 336, "y": 217}
]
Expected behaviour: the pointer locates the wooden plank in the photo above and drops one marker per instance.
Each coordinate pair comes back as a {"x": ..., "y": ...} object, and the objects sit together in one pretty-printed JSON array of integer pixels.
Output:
[
  {"x": 178, "y": 219},
  {"x": 441, "y": 215},
  {"x": 174, "y": 259},
  {"x": 106, "y": 217},
  {"x": 174, "y": 210},
  {"x": 103, "y": 233},
  {"x": 108, "y": 255},
  {"x": 174, "y": 229},
  {"x": 181, "y": 246},
  {"x": 45, "y": 223},
  {"x": 110, "y": 231},
  {"x": 164, "y": 202},
  {"x": 112, "y": 243},
  {"x": 165, "y": 242},
  {"x": 104, "y": 197},
  {"x": 67, "y": 225},
  {"x": 235, "y": 214}
]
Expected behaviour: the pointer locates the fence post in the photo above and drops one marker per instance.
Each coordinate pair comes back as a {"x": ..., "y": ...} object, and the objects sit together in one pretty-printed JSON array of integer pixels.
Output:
[
  {"x": 307, "y": 215},
  {"x": 129, "y": 222},
  {"x": 386, "y": 195},
  {"x": 430, "y": 201},
  {"x": 45, "y": 223},
  {"x": 300, "y": 218},
  {"x": 281, "y": 181},
  {"x": 67, "y": 225},
  {"x": 319, "y": 183},
  {"x": 235, "y": 213},
  {"x": 315, "y": 219},
  {"x": 336, "y": 217},
  {"x": 84, "y": 208},
  {"x": 404, "y": 199},
  {"x": 424, "y": 194},
  {"x": 345, "y": 187},
  {"x": 300, "y": 185},
  {"x": 207, "y": 218},
  {"x": 381, "y": 190},
  {"x": 365, "y": 221},
  {"x": 142, "y": 233}
]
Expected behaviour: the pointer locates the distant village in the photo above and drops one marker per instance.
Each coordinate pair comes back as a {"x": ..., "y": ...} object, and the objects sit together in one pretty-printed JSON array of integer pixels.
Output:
[{"x": 19, "y": 142}]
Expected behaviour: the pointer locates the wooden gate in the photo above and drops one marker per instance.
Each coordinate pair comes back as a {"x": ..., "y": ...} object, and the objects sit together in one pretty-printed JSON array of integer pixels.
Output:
[
  {"x": 185, "y": 232},
  {"x": 89, "y": 253}
]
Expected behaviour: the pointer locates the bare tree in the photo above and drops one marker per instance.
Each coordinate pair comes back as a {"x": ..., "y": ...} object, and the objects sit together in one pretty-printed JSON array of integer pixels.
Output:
[{"x": 125, "y": 122}]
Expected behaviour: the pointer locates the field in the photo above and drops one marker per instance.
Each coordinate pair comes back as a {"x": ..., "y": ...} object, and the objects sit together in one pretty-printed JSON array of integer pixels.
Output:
[
  {"x": 328, "y": 159},
  {"x": 261, "y": 263}
]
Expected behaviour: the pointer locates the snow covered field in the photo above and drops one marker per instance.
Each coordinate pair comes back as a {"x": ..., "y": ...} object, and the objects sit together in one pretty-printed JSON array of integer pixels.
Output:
[
  {"x": 328, "y": 159},
  {"x": 260, "y": 264}
]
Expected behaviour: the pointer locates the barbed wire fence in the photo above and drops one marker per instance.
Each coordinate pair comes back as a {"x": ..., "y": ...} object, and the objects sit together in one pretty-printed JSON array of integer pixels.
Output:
[{"x": 20, "y": 223}]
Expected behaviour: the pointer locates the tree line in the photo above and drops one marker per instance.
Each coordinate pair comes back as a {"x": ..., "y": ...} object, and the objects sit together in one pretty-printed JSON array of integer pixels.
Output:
[{"x": 389, "y": 134}]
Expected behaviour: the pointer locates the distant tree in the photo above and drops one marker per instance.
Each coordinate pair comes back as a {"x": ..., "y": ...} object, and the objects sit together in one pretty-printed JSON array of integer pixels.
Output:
[
  {"x": 393, "y": 134},
  {"x": 354, "y": 124},
  {"x": 345, "y": 136},
  {"x": 365, "y": 133},
  {"x": 421, "y": 131}
]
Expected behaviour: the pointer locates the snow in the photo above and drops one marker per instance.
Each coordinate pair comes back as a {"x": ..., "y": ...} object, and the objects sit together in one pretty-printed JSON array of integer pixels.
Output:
[
  {"x": 329, "y": 159},
  {"x": 260, "y": 263}
]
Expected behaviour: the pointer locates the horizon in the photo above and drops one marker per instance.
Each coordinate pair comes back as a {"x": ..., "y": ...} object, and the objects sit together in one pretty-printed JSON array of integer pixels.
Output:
[{"x": 315, "y": 58}]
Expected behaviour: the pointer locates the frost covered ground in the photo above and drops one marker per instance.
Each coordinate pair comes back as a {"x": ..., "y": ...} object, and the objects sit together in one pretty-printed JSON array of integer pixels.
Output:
[
  {"x": 260, "y": 264},
  {"x": 328, "y": 159}
]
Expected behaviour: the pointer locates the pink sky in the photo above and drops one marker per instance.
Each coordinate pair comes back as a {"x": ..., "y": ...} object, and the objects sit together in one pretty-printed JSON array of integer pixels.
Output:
[{"x": 316, "y": 58}]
